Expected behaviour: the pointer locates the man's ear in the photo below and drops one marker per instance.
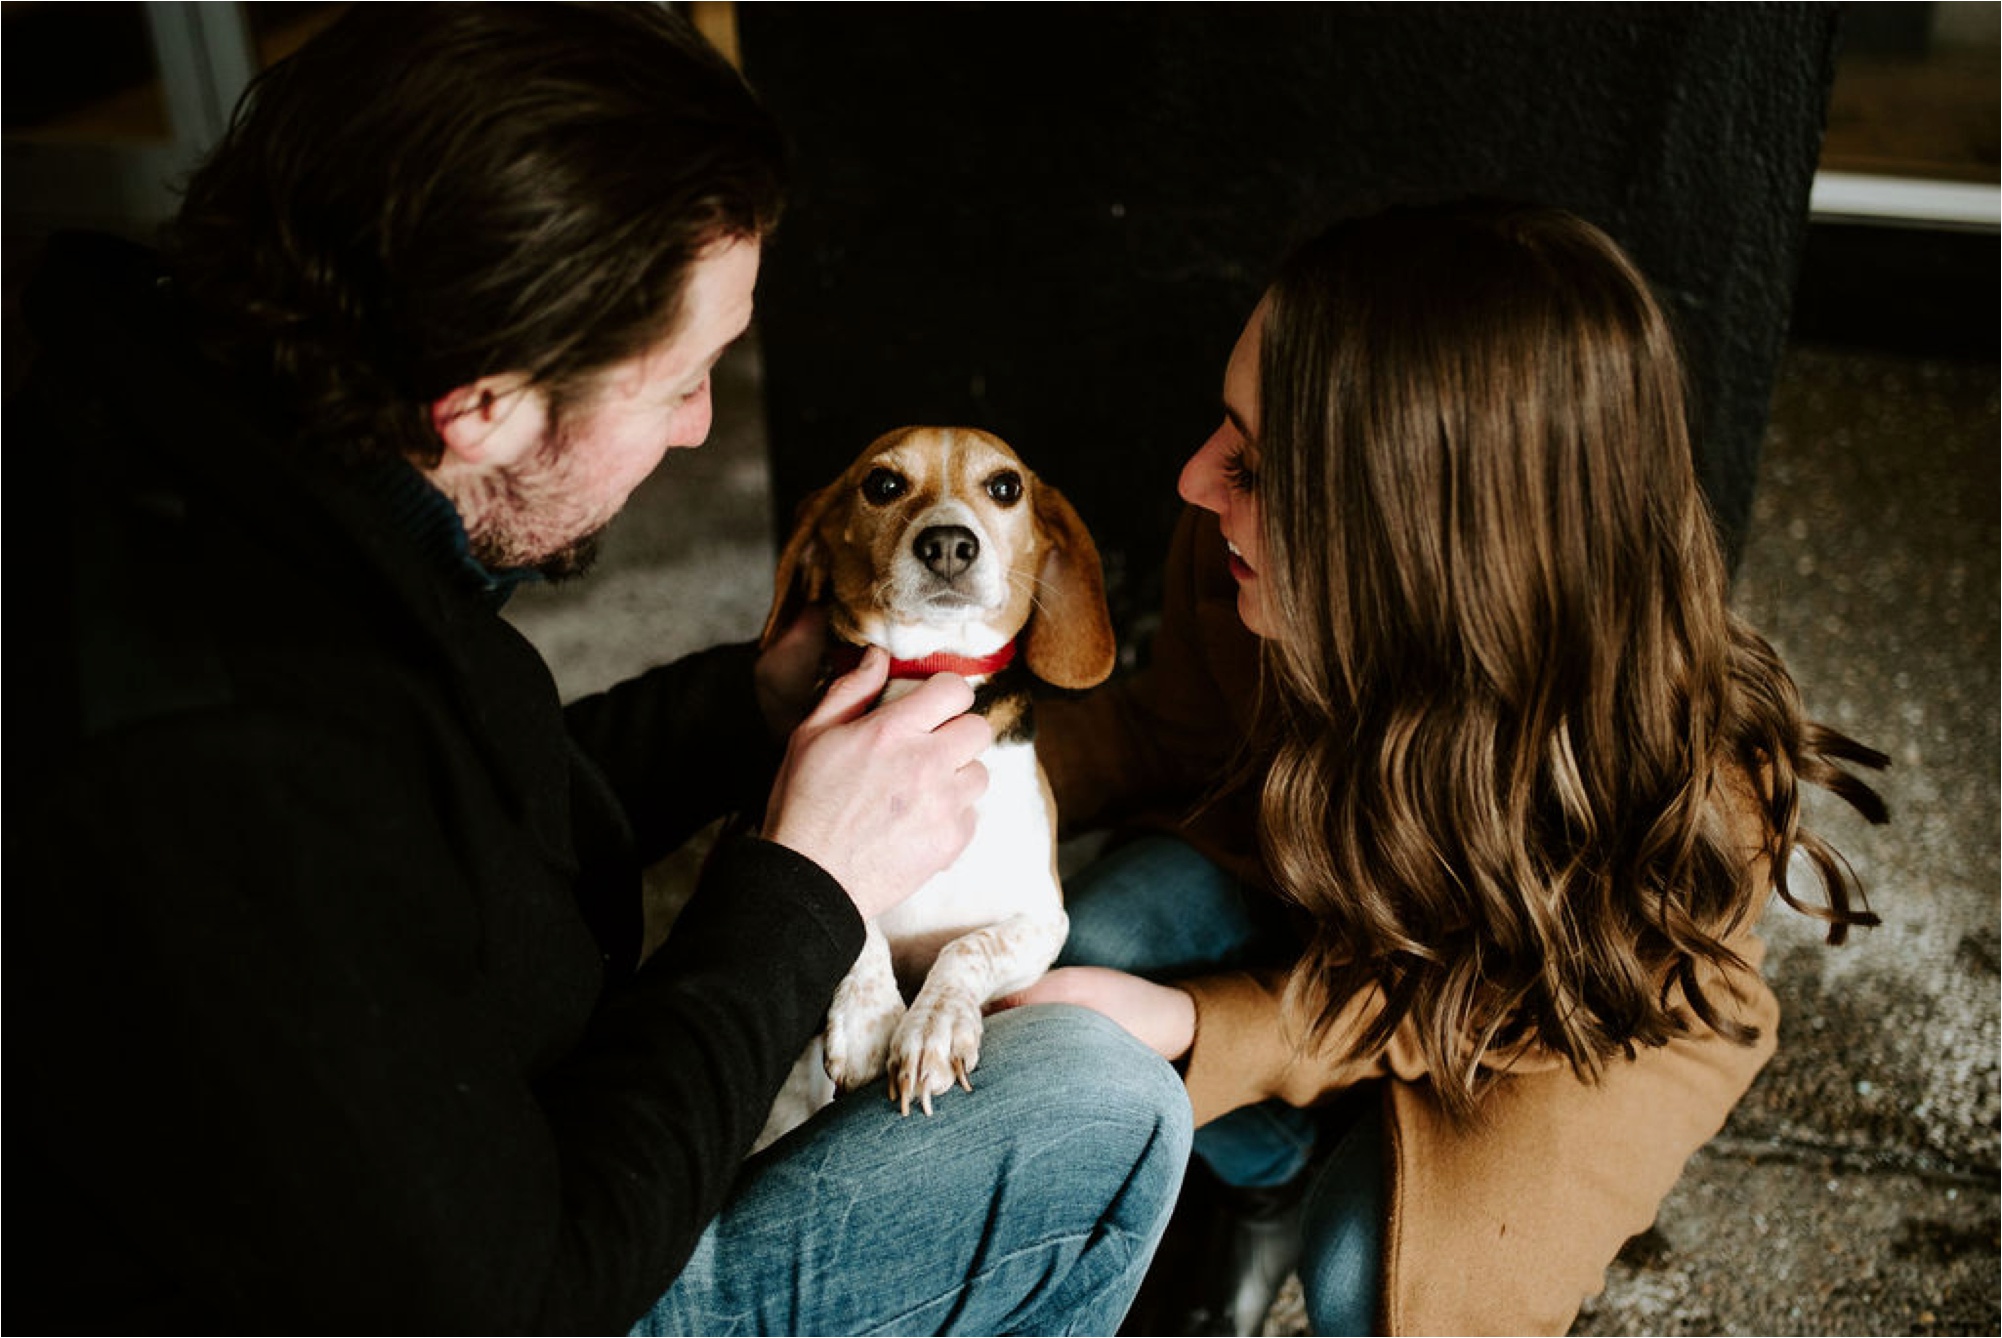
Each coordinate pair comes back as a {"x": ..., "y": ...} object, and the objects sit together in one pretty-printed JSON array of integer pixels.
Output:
[{"x": 494, "y": 421}]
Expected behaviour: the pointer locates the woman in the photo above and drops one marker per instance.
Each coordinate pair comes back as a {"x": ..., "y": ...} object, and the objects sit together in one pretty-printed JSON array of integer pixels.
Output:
[{"x": 1519, "y": 778}]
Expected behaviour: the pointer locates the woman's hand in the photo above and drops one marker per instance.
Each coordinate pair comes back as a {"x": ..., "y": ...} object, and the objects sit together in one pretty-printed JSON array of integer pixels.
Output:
[
  {"x": 1160, "y": 1016},
  {"x": 882, "y": 798},
  {"x": 788, "y": 672}
]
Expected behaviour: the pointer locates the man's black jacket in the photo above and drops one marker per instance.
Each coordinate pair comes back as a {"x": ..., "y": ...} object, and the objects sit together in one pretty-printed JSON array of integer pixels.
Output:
[{"x": 320, "y": 910}]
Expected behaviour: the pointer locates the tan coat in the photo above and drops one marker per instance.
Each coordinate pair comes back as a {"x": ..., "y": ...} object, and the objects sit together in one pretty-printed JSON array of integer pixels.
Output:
[{"x": 1504, "y": 1226}]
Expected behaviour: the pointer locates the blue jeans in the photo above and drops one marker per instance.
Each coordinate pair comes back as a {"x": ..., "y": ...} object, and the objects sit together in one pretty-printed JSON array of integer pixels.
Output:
[
  {"x": 1032, "y": 1204},
  {"x": 1158, "y": 909}
]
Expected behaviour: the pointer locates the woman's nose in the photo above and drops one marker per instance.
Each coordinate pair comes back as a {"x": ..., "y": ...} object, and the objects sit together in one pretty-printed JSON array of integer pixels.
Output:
[{"x": 1202, "y": 481}]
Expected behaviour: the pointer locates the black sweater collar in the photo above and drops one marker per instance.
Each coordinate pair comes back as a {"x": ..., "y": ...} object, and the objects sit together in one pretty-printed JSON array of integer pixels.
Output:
[{"x": 428, "y": 518}]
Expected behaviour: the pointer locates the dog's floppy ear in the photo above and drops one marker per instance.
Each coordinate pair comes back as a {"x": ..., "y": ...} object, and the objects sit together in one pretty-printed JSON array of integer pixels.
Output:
[
  {"x": 1069, "y": 641},
  {"x": 803, "y": 565}
]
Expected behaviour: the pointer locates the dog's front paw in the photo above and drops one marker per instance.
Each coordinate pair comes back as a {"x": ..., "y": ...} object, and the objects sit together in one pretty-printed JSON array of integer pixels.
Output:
[
  {"x": 937, "y": 1044},
  {"x": 860, "y": 1023}
]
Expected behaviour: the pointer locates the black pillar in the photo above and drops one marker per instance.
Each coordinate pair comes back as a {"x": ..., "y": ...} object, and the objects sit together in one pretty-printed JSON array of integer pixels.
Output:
[{"x": 1051, "y": 220}]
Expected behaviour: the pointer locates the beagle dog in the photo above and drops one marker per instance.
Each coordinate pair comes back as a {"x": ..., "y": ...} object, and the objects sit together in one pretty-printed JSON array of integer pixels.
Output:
[{"x": 940, "y": 546}]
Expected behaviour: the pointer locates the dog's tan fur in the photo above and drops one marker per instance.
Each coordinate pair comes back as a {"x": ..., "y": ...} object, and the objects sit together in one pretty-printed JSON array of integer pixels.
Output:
[{"x": 994, "y": 921}]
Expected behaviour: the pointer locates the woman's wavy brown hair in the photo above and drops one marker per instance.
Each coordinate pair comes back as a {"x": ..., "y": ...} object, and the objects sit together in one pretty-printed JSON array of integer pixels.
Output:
[
  {"x": 428, "y": 194},
  {"x": 1522, "y": 737}
]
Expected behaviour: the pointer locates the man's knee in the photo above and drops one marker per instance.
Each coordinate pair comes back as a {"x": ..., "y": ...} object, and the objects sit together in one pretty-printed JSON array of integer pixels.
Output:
[{"x": 1087, "y": 1064}]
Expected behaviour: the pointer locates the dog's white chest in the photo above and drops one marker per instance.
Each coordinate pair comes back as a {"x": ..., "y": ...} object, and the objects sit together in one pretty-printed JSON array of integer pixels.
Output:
[
  {"x": 1007, "y": 869},
  {"x": 990, "y": 923}
]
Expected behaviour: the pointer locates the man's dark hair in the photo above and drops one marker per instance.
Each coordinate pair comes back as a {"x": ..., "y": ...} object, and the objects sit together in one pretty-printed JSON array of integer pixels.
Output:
[{"x": 428, "y": 194}]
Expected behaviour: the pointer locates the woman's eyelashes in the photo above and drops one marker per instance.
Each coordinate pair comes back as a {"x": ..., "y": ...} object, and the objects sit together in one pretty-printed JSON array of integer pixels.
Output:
[{"x": 1238, "y": 470}]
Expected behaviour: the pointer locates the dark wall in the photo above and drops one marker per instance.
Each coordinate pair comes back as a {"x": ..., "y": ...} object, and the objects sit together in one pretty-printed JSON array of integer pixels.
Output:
[{"x": 1051, "y": 221}]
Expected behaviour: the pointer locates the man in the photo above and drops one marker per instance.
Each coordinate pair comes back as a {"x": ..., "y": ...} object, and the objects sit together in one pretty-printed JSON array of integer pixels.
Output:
[{"x": 322, "y": 913}]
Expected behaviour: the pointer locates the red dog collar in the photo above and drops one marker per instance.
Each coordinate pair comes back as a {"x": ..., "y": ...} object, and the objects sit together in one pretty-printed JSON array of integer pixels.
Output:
[{"x": 845, "y": 657}]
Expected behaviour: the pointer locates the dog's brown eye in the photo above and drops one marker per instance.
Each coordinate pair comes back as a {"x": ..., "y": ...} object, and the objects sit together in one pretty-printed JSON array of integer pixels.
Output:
[
  {"x": 884, "y": 485},
  {"x": 1005, "y": 488}
]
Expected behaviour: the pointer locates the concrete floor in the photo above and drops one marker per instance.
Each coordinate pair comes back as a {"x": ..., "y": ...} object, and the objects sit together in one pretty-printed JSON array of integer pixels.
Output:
[{"x": 1855, "y": 1190}]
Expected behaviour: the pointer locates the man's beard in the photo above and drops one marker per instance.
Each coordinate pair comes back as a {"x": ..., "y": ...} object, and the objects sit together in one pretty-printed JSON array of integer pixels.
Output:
[
  {"x": 498, "y": 553},
  {"x": 514, "y": 511},
  {"x": 573, "y": 560}
]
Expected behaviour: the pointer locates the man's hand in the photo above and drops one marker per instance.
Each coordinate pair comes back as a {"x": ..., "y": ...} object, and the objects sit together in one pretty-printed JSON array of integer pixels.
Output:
[
  {"x": 1160, "y": 1016},
  {"x": 882, "y": 799}
]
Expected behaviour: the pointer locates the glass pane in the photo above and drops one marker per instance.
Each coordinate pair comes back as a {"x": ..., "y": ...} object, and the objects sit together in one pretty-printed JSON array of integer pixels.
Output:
[{"x": 1916, "y": 90}]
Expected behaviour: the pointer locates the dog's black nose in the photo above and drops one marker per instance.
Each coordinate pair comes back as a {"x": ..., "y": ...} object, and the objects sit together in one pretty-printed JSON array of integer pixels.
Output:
[{"x": 947, "y": 550}]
